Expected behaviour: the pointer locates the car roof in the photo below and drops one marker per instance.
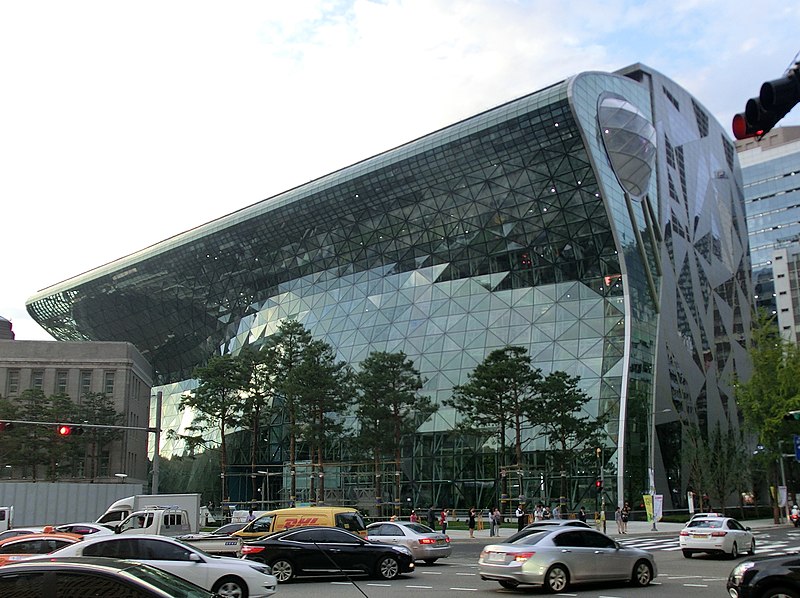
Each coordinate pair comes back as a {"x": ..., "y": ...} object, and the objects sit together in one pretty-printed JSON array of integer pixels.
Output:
[
  {"x": 40, "y": 536},
  {"x": 285, "y": 532}
]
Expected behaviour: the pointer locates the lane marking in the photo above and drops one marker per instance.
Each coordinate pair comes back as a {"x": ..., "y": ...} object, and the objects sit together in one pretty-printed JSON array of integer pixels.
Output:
[
  {"x": 465, "y": 589},
  {"x": 421, "y": 587}
]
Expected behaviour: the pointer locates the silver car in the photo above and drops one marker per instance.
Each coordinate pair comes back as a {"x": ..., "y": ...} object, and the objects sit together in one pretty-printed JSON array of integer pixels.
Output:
[
  {"x": 556, "y": 557},
  {"x": 424, "y": 543}
]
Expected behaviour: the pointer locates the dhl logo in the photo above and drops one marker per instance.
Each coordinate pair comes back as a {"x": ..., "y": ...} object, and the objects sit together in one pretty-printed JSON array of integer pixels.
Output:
[{"x": 300, "y": 521}]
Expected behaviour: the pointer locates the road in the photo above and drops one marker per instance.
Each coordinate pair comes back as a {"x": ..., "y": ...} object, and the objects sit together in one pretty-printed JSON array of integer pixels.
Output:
[{"x": 702, "y": 576}]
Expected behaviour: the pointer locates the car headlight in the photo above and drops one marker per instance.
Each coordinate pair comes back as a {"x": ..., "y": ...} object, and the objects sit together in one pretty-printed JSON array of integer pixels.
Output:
[
  {"x": 265, "y": 569},
  {"x": 739, "y": 570}
]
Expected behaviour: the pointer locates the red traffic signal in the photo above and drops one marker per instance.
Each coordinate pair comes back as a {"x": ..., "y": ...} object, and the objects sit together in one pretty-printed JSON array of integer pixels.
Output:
[
  {"x": 4, "y": 426},
  {"x": 598, "y": 484},
  {"x": 68, "y": 430},
  {"x": 775, "y": 100}
]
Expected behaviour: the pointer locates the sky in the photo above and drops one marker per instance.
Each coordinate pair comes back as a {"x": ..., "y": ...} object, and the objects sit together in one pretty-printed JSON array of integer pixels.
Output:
[{"x": 125, "y": 123}]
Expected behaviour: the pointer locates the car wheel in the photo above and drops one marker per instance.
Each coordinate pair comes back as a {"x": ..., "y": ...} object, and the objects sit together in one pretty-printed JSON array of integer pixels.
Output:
[
  {"x": 780, "y": 593},
  {"x": 556, "y": 579},
  {"x": 687, "y": 554},
  {"x": 752, "y": 547},
  {"x": 509, "y": 585},
  {"x": 734, "y": 551},
  {"x": 230, "y": 587},
  {"x": 388, "y": 568},
  {"x": 642, "y": 574},
  {"x": 283, "y": 570},
  {"x": 430, "y": 561}
]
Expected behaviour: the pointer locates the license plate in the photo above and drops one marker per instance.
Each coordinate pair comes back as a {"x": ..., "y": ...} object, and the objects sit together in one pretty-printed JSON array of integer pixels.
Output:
[
  {"x": 700, "y": 536},
  {"x": 497, "y": 557}
]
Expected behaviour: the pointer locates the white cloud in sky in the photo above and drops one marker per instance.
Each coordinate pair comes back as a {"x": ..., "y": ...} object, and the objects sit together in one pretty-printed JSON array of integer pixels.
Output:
[{"x": 122, "y": 124}]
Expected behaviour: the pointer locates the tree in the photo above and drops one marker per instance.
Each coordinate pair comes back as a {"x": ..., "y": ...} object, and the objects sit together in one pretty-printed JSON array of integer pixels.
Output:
[
  {"x": 10, "y": 438},
  {"x": 97, "y": 408},
  {"x": 728, "y": 463},
  {"x": 39, "y": 444},
  {"x": 497, "y": 396},
  {"x": 288, "y": 346},
  {"x": 389, "y": 406},
  {"x": 325, "y": 389},
  {"x": 560, "y": 411},
  {"x": 216, "y": 403}
]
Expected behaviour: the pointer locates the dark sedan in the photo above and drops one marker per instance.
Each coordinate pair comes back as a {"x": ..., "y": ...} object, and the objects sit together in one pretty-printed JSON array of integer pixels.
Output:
[
  {"x": 327, "y": 551},
  {"x": 766, "y": 577}
]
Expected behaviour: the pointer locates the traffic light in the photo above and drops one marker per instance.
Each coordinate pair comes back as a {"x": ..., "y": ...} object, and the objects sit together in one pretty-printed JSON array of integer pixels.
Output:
[
  {"x": 69, "y": 430},
  {"x": 598, "y": 485},
  {"x": 775, "y": 100},
  {"x": 5, "y": 426}
]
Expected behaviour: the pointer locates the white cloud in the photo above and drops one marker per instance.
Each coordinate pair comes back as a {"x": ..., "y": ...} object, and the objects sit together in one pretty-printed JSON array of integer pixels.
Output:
[{"x": 123, "y": 124}]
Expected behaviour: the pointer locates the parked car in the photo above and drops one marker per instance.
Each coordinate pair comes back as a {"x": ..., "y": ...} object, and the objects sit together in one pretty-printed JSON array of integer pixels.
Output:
[
  {"x": 19, "y": 548},
  {"x": 93, "y": 577},
  {"x": 327, "y": 551},
  {"x": 545, "y": 524},
  {"x": 424, "y": 543},
  {"x": 226, "y": 576},
  {"x": 85, "y": 529},
  {"x": 558, "y": 556},
  {"x": 766, "y": 577},
  {"x": 716, "y": 535},
  {"x": 227, "y": 529},
  {"x": 19, "y": 531}
]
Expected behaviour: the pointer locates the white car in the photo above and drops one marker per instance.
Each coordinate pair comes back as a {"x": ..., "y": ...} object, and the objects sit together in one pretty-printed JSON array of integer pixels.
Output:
[
  {"x": 85, "y": 529},
  {"x": 718, "y": 535},
  {"x": 227, "y": 576}
]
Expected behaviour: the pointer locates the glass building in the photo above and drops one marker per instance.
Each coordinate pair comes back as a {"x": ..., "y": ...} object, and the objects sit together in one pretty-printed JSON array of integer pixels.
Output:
[{"x": 599, "y": 223}]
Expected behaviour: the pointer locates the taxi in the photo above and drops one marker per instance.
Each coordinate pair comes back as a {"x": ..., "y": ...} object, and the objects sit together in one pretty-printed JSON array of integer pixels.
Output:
[{"x": 19, "y": 548}]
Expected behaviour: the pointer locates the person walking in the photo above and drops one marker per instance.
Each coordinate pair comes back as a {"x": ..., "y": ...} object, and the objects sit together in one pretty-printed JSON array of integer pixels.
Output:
[
  {"x": 538, "y": 512},
  {"x": 413, "y": 517},
  {"x": 431, "y": 518},
  {"x": 494, "y": 521},
  {"x": 520, "y": 515},
  {"x": 582, "y": 514},
  {"x": 471, "y": 522},
  {"x": 443, "y": 520},
  {"x": 618, "y": 520},
  {"x": 626, "y": 514}
]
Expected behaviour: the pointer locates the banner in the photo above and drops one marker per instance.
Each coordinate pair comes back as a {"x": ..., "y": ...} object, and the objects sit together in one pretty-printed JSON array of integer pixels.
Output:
[
  {"x": 648, "y": 506},
  {"x": 654, "y": 505},
  {"x": 690, "y": 500}
]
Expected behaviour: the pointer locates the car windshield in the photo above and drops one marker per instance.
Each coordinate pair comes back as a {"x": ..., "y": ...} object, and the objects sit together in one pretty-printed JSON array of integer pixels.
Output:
[
  {"x": 532, "y": 538},
  {"x": 171, "y": 584},
  {"x": 707, "y": 523}
]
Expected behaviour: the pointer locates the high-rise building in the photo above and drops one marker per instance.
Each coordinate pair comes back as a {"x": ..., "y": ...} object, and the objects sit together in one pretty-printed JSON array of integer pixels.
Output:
[
  {"x": 771, "y": 179},
  {"x": 598, "y": 223}
]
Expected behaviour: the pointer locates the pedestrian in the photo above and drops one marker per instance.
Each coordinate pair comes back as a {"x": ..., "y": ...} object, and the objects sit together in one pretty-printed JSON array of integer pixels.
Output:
[
  {"x": 413, "y": 517},
  {"x": 626, "y": 513},
  {"x": 545, "y": 512},
  {"x": 582, "y": 514},
  {"x": 443, "y": 520},
  {"x": 431, "y": 518},
  {"x": 557, "y": 512},
  {"x": 538, "y": 512},
  {"x": 618, "y": 519},
  {"x": 493, "y": 523},
  {"x": 520, "y": 515},
  {"x": 471, "y": 522},
  {"x": 250, "y": 516}
]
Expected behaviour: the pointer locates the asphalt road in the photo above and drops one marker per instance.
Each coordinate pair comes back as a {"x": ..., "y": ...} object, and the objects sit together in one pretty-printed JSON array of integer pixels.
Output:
[{"x": 701, "y": 576}]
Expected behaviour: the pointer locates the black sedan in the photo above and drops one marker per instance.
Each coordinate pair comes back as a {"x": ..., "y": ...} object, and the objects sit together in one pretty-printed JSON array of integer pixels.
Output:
[
  {"x": 766, "y": 577},
  {"x": 326, "y": 551}
]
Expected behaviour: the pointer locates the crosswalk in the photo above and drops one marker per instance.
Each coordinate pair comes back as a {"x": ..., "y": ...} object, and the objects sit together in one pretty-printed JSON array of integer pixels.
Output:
[{"x": 765, "y": 543}]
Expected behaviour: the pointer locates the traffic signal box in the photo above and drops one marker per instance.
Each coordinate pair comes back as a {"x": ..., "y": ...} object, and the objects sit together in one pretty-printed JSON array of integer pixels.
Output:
[
  {"x": 775, "y": 100},
  {"x": 68, "y": 430}
]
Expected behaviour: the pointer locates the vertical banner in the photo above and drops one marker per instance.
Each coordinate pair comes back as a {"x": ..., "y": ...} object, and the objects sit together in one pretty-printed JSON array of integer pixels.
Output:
[
  {"x": 648, "y": 506},
  {"x": 781, "y": 496},
  {"x": 658, "y": 506},
  {"x": 690, "y": 500}
]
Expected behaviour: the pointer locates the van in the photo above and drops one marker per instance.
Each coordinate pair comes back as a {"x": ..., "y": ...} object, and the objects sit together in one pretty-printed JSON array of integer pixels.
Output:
[{"x": 281, "y": 519}]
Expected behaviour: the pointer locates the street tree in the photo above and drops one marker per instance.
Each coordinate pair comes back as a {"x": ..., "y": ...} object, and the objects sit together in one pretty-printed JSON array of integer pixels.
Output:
[
  {"x": 39, "y": 443},
  {"x": 10, "y": 435},
  {"x": 389, "y": 407},
  {"x": 560, "y": 411},
  {"x": 324, "y": 387},
  {"x": 496, "y": 398},
  {"x": 98, "y": 408},
  {"x": 217, "y": 405}
]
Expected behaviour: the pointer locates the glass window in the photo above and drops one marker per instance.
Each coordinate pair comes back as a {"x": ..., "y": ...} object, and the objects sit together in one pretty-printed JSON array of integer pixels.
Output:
[
  {"x": 335, "y": 536},
  {"x": 22, "y": 585},
  {"x": 12, "y": 383},
  {"x": 86, "y": 382},
  {"x": 37, "y": 379},
  {"x": 80, "y": 585},
  {"x": 570, "y": 538},
  {"x": 113, "y": 548},
  {"x": 61, "y": 381},
  {"x": 109, "y": 383},
  {"x": 160, "y": 550},
  {"x": 350, "y": 521}
]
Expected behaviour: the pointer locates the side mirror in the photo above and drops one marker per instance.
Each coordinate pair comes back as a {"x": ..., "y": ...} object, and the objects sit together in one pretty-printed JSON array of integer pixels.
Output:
[
  {"x": 117, "y": 529},
  {"x": 195, "y": 558}
]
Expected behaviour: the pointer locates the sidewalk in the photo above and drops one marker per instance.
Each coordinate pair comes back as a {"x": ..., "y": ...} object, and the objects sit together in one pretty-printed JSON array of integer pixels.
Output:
[{"x": 635, "y": 528}]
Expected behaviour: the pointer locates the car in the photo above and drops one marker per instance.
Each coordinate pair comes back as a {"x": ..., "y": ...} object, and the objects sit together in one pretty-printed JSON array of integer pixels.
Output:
[
  {"x": 19, "y": 531},
  {"x": 226, "y": 576},
  {"x": 19, "y": 548},
  {"x": 227, "y": 529},
  {"x": 547, "y": 523},
  {"x": 281, "y": 519},
  {"x": 766, "y": 577},
  {"x": 702, "y": 515},
  {"x": 328, "y": 551},
  {"x": 93, "y": 577},
  {"x": 424, "y": 543},
  {"x": 85, "y": 529},
  {"x": 716, "y": 535},
  {"x": 556, "y": 557}
]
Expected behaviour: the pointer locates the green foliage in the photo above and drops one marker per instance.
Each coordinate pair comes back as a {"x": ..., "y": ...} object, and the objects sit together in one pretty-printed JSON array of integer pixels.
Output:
[{"x": 497, "y": 396}]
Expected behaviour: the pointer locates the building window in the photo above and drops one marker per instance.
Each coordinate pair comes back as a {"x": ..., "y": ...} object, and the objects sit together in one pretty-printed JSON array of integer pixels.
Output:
[
  {"x": 37, "y": 379},
  {"x": 61, "y": 382},
  {"x": 12, "y": 383},
  {"x": 109, "y": 384},
  {"x": 86, "y": 382}
]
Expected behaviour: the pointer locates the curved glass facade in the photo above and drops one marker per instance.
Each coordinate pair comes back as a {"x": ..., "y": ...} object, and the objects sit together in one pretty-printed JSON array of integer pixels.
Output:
[{"x": 510, "y": 227}]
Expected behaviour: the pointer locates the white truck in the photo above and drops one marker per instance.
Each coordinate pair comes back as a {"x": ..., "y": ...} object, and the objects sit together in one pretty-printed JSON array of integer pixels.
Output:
[
  {"x": 6, "y": 518},
  {"x": 122, "y": 508},
  {"x": 174, "y": 522}
]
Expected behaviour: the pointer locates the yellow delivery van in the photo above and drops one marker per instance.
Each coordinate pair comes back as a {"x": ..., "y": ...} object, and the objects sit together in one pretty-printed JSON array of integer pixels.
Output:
[{"x": 281, "y": 519}]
